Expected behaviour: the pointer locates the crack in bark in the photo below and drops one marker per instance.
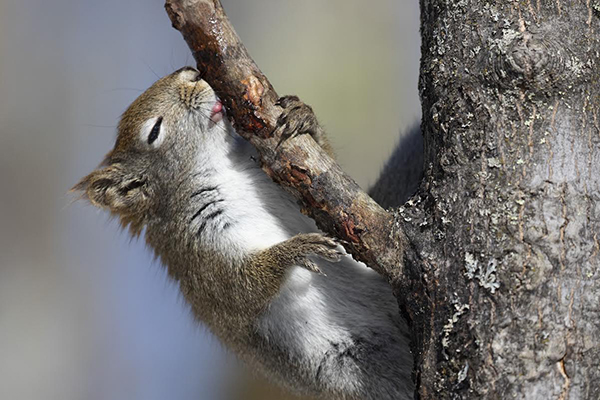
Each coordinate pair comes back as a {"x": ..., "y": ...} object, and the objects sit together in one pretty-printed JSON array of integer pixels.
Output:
[{"x": 565, "y": 390}]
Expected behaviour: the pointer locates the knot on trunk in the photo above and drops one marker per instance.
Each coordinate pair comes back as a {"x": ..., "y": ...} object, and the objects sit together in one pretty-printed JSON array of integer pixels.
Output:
[{"x": 536, "y": 61}]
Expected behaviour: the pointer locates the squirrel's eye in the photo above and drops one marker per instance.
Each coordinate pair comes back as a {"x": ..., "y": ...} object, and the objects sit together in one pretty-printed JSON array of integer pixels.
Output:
[
  {"x": 155, "y": 131},
  {"x": 152, "y": 132}
]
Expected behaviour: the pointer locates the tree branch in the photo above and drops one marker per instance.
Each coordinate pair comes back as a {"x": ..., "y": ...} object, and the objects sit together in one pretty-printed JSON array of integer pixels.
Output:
[{"x": 328, "y": 195}]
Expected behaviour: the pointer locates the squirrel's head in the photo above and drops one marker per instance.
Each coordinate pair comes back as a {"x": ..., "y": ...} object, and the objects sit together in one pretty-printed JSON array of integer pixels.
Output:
[{"x": 159, "y": 137}]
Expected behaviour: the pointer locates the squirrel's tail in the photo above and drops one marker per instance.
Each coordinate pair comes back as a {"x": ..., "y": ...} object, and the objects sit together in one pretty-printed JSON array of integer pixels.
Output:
[{"x": 403, "y": 171}]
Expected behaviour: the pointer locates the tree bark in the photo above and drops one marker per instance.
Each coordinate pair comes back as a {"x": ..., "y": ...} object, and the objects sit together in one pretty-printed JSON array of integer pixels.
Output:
[
  {"x": 507, "y": 220},
  {"x": 495, "y": 261}
]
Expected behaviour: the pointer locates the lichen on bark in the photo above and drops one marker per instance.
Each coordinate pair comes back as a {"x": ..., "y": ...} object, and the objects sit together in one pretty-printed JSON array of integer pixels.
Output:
[{"x": 507, "y": 220}]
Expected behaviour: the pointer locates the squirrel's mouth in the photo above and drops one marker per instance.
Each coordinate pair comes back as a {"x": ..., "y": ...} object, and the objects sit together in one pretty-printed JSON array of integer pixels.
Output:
[{"x": 216, "y": 114}]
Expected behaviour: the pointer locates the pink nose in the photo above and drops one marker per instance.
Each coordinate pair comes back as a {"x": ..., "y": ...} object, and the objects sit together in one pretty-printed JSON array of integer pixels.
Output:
[
  {"x": 217, "y": 108},
  {"x": 216, "y": 113}
]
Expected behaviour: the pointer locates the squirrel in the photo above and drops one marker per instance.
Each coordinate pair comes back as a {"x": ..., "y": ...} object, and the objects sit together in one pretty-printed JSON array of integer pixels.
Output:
[{"x": 272, "y": 287}]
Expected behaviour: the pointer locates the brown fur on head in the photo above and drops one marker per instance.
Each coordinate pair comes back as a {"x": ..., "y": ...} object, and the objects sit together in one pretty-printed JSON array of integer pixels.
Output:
[{"x": 151, "y": 152}]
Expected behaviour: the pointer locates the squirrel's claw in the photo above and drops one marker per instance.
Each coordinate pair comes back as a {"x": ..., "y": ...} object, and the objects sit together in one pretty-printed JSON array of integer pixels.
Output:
[
  {"x": 311, "y": 266},
  {"x": 307, "y": 244},
  {"x": 296, "y": 118}
]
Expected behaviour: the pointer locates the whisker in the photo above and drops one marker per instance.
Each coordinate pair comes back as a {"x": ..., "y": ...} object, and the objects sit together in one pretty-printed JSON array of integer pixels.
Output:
[
  {"x": 204, "y": 207},
  {"x": 124, "y": 89},
  {"x": 202, "y": 226},
  {"x": 204, "y": 190},
  {"x": 100, "y": 126},
  {"x": 185, "y": 179},
  {"x": 204, "y": 172},
  {"x": 208, "y": 218},
  {"x": 150, "y": 68},
  {"x": 214, "y": 215},
  {"x": 224, "y": 129}
]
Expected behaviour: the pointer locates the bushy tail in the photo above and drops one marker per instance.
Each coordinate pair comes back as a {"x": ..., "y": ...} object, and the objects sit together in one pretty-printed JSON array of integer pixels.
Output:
[{"x": 403, "y": 171}]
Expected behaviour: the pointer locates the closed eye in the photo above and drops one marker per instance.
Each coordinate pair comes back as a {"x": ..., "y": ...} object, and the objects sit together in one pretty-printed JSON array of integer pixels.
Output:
[
  {"x": 152, "y": 132},
  {"x": 155, "y": 131}
]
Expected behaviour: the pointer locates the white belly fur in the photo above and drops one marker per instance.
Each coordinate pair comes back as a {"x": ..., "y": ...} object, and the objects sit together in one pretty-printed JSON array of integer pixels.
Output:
[{"x": 317, "y": 318}]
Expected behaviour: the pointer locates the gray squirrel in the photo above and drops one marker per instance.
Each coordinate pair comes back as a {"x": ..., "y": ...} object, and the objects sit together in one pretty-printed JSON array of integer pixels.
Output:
[{"x": 276, "y": 291}]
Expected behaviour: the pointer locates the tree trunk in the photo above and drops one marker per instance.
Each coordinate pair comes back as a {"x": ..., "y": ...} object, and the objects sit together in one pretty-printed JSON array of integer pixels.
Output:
[{"x": 506, "y": 225}]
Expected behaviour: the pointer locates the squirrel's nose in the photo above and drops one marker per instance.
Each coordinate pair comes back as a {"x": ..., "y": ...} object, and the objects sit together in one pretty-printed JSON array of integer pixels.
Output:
[
  {"x": 191, "y": 73},
  {"x": 187, "y": 68}
]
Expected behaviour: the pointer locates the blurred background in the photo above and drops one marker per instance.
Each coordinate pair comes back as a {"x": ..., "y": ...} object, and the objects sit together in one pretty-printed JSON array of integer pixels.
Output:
[{"x": 85, "y": 312}]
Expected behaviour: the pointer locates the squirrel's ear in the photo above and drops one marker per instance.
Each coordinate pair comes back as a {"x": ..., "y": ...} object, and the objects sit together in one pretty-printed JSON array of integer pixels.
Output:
[{"x": 113, "y": 188}]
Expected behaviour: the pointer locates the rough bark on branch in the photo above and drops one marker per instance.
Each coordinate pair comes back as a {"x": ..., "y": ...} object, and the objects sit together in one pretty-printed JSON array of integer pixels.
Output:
[{"x": 328, "y": 195}]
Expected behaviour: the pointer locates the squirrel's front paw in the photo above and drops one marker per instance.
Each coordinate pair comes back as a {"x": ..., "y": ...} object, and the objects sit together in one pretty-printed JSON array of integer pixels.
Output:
[
  {"x": 297, "y": 118},
  {"x": 305, "y": 244}
]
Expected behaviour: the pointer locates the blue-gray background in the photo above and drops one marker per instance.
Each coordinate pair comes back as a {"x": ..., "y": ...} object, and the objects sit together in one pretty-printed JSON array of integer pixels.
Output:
[{"x": 85, "y": 312}]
